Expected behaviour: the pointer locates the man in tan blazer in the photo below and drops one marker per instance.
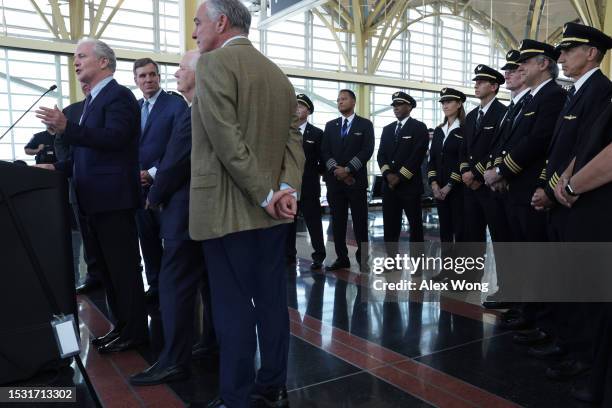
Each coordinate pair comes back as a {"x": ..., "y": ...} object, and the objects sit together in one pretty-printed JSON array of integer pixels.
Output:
[{"x": 246, "y": 166}]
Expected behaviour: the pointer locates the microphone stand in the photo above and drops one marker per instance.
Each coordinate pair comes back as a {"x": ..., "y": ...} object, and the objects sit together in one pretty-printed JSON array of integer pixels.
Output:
[{"x": 52, "y": 88}]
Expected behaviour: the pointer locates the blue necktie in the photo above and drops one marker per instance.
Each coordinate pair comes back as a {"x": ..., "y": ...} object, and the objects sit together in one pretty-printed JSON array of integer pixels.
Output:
[
  {"x": 85, "y": 107},
  {"x": 397, "y": 131},
  {"x": 144, "y": 115},
  {"x": 344, "y": 131}
]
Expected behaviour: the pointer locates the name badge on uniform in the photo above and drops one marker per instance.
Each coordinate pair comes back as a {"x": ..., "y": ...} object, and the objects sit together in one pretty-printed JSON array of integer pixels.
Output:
[
  {"x": 488, "y": 127},
  {"x": 309, "y": 141},
  {"x": 460, "y": 137},
  {"x": 529, "y": 114},
  {"x": 358, "y": 133},
  {"x": 406, "y": 137},
  {"x": 570, "y": 117}
]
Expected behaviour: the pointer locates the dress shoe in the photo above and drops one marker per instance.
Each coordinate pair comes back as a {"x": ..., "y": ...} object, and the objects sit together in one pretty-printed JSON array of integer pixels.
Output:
[
  {"x": 316, "y": 265},
  {"x": 566, "y": 370},
  {"x": 107, "y": 338},
  {"x": 549, "y": 352},
  {"x": 200, "y": 351},
  {"x": 339, "y": 264},
  {"x": 88, "y": 286},
  {"x": 157, "y": 375},
  {"x": 216, "y": 403},
  {"x": 585, "y": 394},
  {"x": 518, "y": 323},
  {"x": 272, "y": 397},
  {"x": 119, "y": 345},
  {"x": 530, "y": 337}
]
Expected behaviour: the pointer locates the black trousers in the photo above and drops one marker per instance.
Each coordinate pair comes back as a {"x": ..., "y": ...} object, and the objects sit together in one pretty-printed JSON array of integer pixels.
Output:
[
  {"x": 115, "y": 248},
  {"x": 93, "y": 265},
  {"x": 394, "y": 204},
  {"x": 482, "y": 209},
  {"x": 183, "y": 269},
  {"x": 150, "y": 243},
  {"x": 339, "y": 202},
  {"x": 310, "y": 206},
  {"x": 248, "y": 284}
]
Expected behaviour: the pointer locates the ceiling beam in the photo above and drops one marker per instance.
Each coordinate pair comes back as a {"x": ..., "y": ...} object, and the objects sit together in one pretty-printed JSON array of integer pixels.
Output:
[{"x": 300, "y": 7}]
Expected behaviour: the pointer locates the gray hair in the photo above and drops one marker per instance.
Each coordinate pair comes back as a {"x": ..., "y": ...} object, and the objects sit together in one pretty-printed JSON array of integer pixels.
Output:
[
  {"x": 102, "y": 50},
  {"x": 237, "y": 13},
  {"x": 193, "y": 56},
  {"x": 553, "y": 68}
]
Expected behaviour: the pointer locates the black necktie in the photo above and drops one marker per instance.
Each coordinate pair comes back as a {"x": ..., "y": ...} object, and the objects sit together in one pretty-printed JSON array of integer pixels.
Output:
[
  {"x": 570, "y": 95},
  {"x": 397, "y": 131},
  {"x": 344, "y": 131},
  {"x": 85, "y": 107},
  {"x": 479, "y": 119}
]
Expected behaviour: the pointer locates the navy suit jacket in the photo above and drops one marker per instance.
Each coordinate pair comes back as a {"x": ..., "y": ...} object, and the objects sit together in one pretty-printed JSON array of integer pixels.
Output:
[
  {"x": 104, "y": 162},
  {"x": 171, "y": 186},
  {"x": 160, "y": 122}
]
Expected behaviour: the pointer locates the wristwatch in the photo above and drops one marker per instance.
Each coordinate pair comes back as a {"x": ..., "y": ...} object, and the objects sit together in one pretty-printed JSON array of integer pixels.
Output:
[{"x": 569, "y": 190}]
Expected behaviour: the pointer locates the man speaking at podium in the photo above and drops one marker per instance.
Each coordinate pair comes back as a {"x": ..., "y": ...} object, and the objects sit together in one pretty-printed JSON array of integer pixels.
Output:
[{"x": 105, "y": 171}]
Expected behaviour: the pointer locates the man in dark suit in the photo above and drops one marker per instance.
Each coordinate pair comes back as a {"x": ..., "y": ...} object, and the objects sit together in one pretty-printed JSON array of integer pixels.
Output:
[
  {"x": 73, "y": 113},
  {"x": 481, "y": 124},
  {"x": 523, "y": 155},
  {"x": 105, "y": 171},
  {"x": 182, "y": 263},
  {"x": 310, "y": 196},
  {"x": 159, "y": 113},
  {"x": 402, "y": 149},
  {"x": 348, "y": 144},
  {"x": 582, "y": 50}
]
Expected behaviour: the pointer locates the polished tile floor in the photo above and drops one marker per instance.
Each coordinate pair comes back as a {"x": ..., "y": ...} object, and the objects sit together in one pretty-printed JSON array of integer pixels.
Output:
[{"x": 348, "y": 349}]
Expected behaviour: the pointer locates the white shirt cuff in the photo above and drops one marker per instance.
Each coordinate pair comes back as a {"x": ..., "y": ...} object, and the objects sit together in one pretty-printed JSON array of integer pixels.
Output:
[
  {"x": 283, "y": 186},
  {"x": 152, "y": 172}
]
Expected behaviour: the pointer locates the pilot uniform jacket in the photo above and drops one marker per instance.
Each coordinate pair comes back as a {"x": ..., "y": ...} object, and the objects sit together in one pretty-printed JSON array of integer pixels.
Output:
[
  {"x": 352, "y": 151},
  {"x": 245, "y": 141},
  {"x": 477, "y": 142},
  {"x": 576, "y": 119},
  {"x": 311, "y": 180},
  {"x": 523, "y": 153},
  {"x": 104, "y": 163},
  {"x": 444, "y": 157},
  {"x": 171, "y": 187},
  {"x": 404, "y": 156},
  {"x": 590, "y": 217}
]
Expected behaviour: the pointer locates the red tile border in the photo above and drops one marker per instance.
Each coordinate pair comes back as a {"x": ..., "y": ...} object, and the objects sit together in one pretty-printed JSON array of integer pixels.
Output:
[
  {"x": 413, "y": 377},
  {"x": 122, "y": 364}
]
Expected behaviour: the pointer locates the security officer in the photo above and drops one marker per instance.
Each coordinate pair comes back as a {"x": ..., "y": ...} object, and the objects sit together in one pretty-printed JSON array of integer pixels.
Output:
[
  {"x": 348, "y": 144},
  {"x": 443, "y": 172},
  {"x": 402, "y": 148},
  {"x": 481, "y": 124},
  {"x": 310, "y": 203},
  {"x": 582, "y": 50}
]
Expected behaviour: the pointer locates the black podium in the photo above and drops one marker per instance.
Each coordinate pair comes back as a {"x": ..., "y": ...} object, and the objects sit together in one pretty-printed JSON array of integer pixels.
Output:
[{"x": 36, "y": 271}]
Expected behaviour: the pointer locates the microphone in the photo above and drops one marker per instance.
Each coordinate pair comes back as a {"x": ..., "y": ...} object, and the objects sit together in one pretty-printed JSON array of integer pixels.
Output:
[{"x": 52, "y": 88}]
